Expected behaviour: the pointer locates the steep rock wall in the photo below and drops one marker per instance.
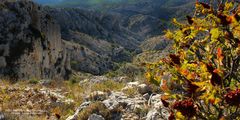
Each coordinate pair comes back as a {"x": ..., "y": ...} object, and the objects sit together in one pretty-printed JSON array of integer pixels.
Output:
[{"x": 30, "y": 43}]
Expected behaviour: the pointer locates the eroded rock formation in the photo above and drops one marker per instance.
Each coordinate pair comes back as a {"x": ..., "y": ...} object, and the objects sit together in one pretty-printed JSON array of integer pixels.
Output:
[{"x": 30, "y": 43}]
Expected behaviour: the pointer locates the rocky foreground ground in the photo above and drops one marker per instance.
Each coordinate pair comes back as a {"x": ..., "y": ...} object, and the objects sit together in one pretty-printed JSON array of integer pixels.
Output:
[{"x": 95, "y": 98}]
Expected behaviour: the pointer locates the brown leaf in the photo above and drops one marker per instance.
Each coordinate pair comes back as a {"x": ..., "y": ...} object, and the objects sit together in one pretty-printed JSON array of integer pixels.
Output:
[
  {"x": 221, "y": 7},
  {"x": 205, "y": 5},
  {"x": 171, "y": 117},
  {"x": 210, "y": 68},
  {"x": 237, "y": 17},
  {"x": 191, "y": 88},
  {"x": 57, "y": 116},
  {"x": 190, "y": 19},
  {"x": 175, "y": 59},
  {"x": 216, "y": 79},
  {"x": 165, "y": 103},
  {"x": 225, "y": 20}
]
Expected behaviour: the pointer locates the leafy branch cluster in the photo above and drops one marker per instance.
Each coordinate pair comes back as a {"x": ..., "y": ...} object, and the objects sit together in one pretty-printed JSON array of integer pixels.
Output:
[{"x": 202, "y": 76}]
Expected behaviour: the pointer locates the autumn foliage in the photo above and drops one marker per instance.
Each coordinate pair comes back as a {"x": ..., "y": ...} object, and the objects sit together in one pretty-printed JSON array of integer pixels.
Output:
[{"x": 201, "y": 76}]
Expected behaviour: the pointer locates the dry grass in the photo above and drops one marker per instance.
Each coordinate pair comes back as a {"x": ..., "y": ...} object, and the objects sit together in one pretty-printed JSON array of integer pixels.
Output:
[
  {"x": 14, "y": 96},
  {"x": 26, "y": 98},
  {"x": 131, "y": 92},
  {"x": 97, "y": 108},
  {"x": 107, "y": 85}
]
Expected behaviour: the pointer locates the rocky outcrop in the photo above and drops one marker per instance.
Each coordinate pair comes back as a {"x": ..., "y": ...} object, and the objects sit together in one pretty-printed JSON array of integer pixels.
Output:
[
  {"x": 130, "y": 107},
  {"x": 31, "y": 45}
]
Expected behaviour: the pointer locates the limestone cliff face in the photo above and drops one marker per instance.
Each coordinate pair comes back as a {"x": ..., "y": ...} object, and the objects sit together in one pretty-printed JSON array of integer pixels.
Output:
[{"x": 30, "y": 43}]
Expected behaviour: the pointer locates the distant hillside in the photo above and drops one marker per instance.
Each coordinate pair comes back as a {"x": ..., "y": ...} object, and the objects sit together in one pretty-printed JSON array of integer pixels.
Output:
[
  {"x": 95, "y": 4},
  {"x": 99, "y": 25},
  {"x": 146, "y": 6},
  {"x": 137, "y": 19},
  {"x": 48, "y": 2},
  {"x": 151, "y": 15}
]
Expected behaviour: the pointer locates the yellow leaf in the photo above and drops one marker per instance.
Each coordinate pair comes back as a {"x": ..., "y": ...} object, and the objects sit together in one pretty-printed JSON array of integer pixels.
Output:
[
  {"x": 228, "y": 6},
  {"x": 215, "y": 33},
  {"x": 169, "y": 34},
  {"x": 179, "y": 116}
]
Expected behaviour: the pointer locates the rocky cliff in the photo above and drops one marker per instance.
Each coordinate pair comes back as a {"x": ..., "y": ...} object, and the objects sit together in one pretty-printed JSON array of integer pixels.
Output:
[{"x": 31, "y": 45}]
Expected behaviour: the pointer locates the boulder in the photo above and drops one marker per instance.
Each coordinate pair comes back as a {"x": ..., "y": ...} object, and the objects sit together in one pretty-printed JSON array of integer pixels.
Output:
[
  {"x": 133, "y": 84},
  {"x": 97, "y": 95},
  {"x": 158, "y": 109},
  {"x": 117, "y": 99},
  {"x": 111, "y": 104},
  {"x": 121, "y": 79},
  {"x": 143, "y": 88},
  {"x": 153, "y": 115},
  {"x": 95, "y": 117},
  {"x": 146, "y": 96}
]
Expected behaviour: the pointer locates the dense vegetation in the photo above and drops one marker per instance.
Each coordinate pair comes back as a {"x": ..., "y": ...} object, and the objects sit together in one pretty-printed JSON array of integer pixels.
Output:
[{"x": 200, "y": 78}]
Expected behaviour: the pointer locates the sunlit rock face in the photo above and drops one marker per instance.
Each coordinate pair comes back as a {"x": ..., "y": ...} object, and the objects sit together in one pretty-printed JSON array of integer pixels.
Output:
[{"x": 31, "y": 45}]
